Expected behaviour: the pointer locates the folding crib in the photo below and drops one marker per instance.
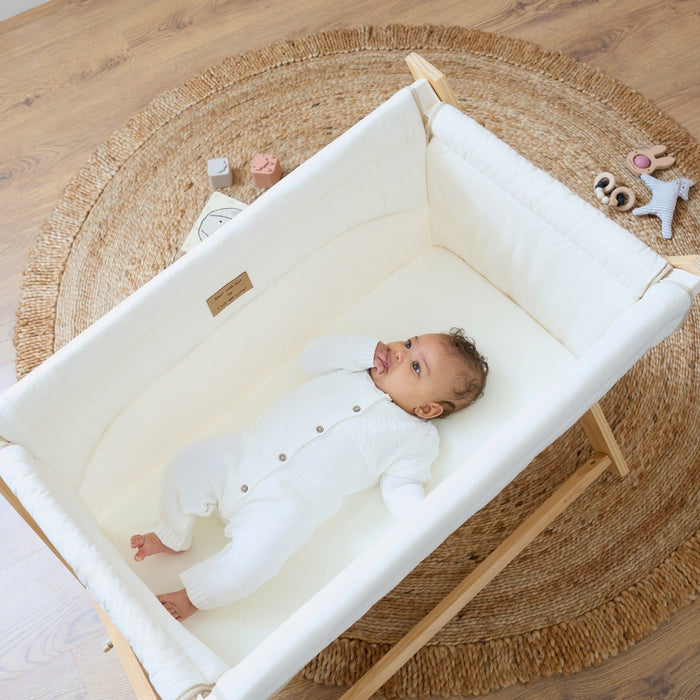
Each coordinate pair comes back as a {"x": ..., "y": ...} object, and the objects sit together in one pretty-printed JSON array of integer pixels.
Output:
[{"x": 415, "y": 220}]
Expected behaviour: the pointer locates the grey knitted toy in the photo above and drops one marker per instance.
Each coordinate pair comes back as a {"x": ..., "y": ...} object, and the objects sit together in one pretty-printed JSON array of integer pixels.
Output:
[{"x": 663, "y": 200}]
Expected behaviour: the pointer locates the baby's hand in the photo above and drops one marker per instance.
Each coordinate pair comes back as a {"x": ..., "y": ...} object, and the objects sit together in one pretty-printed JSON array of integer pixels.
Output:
[{"x": 381, "y": 358}]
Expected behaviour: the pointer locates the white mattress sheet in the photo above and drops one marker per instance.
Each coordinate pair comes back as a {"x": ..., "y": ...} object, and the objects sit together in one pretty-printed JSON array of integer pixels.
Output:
[{"x": 434, "y": 292}]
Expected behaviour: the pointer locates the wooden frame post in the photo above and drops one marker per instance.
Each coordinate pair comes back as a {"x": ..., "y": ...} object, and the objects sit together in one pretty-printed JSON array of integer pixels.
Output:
[
  {"x": 420, "y": 68},
  {"x": 602, "y": 438},
  {"x": 132, "y": 666},
  {"x": 689, "y": 263}
]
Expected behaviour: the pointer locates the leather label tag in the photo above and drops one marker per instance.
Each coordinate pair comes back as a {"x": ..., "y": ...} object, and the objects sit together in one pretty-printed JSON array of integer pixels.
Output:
[{"x": 231, "y": 291}]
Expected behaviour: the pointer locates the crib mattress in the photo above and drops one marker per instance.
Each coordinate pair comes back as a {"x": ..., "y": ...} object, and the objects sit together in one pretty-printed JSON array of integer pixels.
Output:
[{"x": 399, "y": 308}]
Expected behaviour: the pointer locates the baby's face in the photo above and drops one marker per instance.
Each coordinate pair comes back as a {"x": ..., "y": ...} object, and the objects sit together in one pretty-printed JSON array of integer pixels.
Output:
[{"x": 416, "y": 373}]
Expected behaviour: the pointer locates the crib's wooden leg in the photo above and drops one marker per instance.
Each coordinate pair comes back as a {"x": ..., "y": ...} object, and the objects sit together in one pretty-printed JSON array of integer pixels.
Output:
[
  {"x": 432, "y": 623},
  {"x": 132, "y": 666},
  {"x": 420, "y": 68},
  {"x": 599, "y": 433}
]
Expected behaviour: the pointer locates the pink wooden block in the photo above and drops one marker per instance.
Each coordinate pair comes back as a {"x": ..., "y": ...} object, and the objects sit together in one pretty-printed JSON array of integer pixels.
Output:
[{"x": 265, "y": 169}]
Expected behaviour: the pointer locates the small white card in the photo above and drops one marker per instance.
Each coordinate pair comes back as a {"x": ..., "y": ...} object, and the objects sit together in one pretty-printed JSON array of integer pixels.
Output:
[{"x": 218, "y": 210}]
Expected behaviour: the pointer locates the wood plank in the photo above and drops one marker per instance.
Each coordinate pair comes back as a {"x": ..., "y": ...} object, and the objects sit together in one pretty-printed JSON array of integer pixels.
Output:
[
  {"x": 102, "y": 48},
  {"x": 59, "y": 673},
  {"x": 681, "y": 105},
  {"x": 101, "y": 672},
  {"x": 54, "y": 623}
]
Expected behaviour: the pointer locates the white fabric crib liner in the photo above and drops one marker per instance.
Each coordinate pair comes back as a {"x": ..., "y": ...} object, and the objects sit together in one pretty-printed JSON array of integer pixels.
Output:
[{"x": 467, "y": 162}]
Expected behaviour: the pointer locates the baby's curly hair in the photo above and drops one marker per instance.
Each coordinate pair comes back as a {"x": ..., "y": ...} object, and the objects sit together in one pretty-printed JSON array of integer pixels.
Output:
[{"x": 469, "y": 383}]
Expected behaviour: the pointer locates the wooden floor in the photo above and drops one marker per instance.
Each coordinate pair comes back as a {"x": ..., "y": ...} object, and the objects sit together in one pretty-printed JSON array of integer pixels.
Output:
[{"x": 73, "y": 71}]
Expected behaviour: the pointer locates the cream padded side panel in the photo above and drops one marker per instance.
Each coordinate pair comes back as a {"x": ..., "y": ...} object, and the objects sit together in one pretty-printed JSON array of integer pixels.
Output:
[
  {"x": 270, "y": 330},
  {"x": 374, "y": 170},
  {"x": 563, "y": 261}
]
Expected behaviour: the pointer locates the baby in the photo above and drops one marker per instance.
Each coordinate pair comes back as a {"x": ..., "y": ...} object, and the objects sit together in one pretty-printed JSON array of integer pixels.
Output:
[{"x": 362, "y": 417}]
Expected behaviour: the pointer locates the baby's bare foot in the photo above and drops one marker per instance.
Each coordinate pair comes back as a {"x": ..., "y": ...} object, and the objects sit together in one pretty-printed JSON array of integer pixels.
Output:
[
  {"x": 178, "y": 604},
  {"x": 148, "y": 544}
]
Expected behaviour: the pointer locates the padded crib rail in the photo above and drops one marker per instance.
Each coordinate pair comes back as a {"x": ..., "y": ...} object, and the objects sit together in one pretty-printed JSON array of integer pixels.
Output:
[{"x": 175, "y": 659}]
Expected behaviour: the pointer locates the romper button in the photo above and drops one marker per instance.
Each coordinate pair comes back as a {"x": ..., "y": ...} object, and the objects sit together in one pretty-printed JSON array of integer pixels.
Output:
[
  {"x": 283, "y": 457},
  {"x": 244, "y": 488},
  {"x": 356, "y": 409},
  {"x": 319, "y": 429}
]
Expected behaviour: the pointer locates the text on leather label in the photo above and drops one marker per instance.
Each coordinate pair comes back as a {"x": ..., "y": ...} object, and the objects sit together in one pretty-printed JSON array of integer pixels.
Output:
[{"x": 231, "y": 291}]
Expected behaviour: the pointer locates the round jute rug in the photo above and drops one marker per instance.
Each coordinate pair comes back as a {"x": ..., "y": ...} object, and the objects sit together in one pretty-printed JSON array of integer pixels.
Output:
[{"x": 621, "y": 559}]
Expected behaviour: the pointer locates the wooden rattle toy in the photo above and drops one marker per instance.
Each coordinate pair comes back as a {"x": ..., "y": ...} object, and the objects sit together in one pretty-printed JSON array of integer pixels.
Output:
[
  {"x": 265, "y": 169},
  {"x": 619, "y": 198},
  {"x": 647, "y": 161}
]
